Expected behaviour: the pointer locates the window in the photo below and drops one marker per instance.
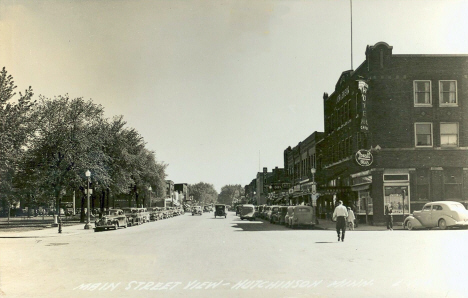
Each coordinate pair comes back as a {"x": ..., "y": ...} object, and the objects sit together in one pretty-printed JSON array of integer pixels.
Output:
[
  {"x": 423, "y": 132},
  {"x": 453, "y": 178},
  {"x": 422, "y": 93},
  {"x": 437, "y": 208},
  {"x": 449, "y": 134},
  {"x": 422, "y": 184},
  {"x": 448, "y": 93}
]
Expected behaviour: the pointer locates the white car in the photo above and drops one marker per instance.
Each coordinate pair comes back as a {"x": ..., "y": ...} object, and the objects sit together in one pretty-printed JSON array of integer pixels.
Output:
[{"x": 442, "y": 214}]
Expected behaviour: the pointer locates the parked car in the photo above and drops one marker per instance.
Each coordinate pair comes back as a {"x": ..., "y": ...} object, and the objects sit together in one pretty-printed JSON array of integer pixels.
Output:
[
  {"x": 265, "y": 212},
  {"x": 288, "y": 215},
  {"x": 260, "y": 210},
  {"x": 247, "y": 212},
  {"x": 112, "y": 219},
  {"x": 302, "y": 216},
  {"x": 133, "y": 216},
  {"x": 283, "y": 210},
  {"x": 153, "y": 212},
  {"x": 145, "y": 215},
  {"x": 238, "y": 209},
  {"x": 270, "y": 211},
  {"x": 197, "y": 210},
  {"x": 220, "y": 210},
  {"x": 274, "y": 214},
  {"x": 442, "y": 214}
]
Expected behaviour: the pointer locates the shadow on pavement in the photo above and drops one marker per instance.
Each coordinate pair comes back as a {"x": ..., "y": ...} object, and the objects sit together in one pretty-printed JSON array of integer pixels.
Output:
[{"x": 257, "y": 226}]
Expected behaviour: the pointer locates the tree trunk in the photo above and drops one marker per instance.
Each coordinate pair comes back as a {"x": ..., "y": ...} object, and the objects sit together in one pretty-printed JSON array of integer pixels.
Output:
[
  {"x": 136, "y": 196},
  {"x": 103, "y": 200},
  {"x": 107, "y": 198},
  {"x": 9, "y": 211}
]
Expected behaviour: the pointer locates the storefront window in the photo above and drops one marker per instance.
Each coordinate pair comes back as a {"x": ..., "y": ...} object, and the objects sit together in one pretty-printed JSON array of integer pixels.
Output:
[
  {"x": 364, "y": 198},
  {"x": 397, "y": 197}
]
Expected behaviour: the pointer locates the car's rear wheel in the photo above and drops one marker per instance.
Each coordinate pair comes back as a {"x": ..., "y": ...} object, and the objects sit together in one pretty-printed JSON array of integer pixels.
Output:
[
  {"x": 409, "y": 226},
  {"x": 442, "y": 224}
]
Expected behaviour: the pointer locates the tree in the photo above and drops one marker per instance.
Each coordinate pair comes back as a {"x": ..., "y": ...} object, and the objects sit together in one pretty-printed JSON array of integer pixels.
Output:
[
  {"x": 203, "y": 193},
  {"x": 15, "y": 130},
  {"x": 67, "y": 142},
  {"x": 229, "y": 193}
]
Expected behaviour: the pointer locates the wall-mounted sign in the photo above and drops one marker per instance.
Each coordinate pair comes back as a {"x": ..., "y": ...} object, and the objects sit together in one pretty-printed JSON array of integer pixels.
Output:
[
  {"x": 364, "y": 158},
  {"x": 362, "y": 86}
]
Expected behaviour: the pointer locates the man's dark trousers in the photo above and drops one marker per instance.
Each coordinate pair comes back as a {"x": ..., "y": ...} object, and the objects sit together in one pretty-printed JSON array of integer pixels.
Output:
[{"x": 341, "y": 225}]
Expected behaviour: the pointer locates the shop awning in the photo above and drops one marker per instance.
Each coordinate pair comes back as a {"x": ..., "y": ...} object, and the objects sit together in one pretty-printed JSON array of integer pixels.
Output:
[{"x": 360, "y": 187}]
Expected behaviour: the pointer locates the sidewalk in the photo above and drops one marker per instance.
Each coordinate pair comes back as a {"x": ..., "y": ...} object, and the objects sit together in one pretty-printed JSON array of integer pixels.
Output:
[
  {"x": 67, "y": 230},
  {"x": 331, "y": 225}
]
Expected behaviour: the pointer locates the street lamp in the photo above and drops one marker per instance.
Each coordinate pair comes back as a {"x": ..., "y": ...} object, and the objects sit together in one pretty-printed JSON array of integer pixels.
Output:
[
  {"x": 150, "y": 189},
  {"x": 88, "y": 220},
  {"x": 314, "y": 186}
]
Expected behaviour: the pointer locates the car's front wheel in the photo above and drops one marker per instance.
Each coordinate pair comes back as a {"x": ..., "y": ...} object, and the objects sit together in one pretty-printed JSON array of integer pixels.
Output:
[
  {"x": 409, "y": 226},
  {"x": 442, "y": 224}
]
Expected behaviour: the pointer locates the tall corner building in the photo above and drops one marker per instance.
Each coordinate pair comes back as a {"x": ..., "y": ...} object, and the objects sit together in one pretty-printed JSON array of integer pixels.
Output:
[{"x": 396, "y": 132}]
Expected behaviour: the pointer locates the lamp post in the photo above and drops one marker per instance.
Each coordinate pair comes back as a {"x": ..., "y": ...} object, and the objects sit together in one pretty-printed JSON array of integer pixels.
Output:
[
  {"x": 149, "y": 190},
  {"x": 314, "y": 186},
  {"x": 88, "y": 217}
]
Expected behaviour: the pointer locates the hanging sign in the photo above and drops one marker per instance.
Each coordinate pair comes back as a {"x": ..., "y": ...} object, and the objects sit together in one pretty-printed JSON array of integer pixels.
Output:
[
  {"x": 362, "y": 86},
  {"x": 364, "y": 158}
]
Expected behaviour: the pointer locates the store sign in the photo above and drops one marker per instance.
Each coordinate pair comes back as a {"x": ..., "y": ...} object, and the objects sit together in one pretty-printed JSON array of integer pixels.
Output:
[
  {"x": 362, "y": 86},
  {"x": 364, "y": 158},
  {"x": 342, "y": 95}
]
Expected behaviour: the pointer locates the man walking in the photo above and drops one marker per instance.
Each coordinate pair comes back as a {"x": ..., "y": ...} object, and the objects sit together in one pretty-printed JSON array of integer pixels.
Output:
[{"x": 340, "y": 214}]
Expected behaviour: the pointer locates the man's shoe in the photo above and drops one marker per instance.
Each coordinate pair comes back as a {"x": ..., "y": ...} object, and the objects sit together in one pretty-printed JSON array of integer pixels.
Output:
[{"x": 338, "y": 239}]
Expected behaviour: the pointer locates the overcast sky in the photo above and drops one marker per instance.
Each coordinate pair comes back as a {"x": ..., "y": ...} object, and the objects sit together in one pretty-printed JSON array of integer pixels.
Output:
[{"x": 218, "y": 89}]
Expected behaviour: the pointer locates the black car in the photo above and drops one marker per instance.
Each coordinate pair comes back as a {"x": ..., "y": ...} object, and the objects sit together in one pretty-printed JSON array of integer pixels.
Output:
[{"x": 220, "y": 210}]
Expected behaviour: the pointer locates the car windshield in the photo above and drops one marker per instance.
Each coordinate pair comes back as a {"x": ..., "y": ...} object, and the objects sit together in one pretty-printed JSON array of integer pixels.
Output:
[
  {"x": 112, "y": 212},
  {"x": 457, "y": 207}
]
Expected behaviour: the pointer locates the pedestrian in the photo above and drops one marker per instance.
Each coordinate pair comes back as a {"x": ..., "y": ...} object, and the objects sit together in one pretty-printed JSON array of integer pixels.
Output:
[
  {"x": 350, "y": 219},
  {"x": 389, "y": 215},
  {"x": 340, "y": 214}
]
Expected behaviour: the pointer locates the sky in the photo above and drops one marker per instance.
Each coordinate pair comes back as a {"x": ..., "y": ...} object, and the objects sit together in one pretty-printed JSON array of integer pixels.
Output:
[{"x": 218, "y": 89}]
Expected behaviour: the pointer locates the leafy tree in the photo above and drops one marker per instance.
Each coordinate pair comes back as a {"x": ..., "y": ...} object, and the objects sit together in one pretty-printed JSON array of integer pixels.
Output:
[
  {"x": 67, "y": 142},
  {"x": 229, "y": 193},
  {"x": 15, "y": 130},
  {"x": 203, "y": 193}
]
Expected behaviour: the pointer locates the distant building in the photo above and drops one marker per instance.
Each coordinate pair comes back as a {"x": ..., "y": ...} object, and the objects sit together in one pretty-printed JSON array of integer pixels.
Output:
[
  {"x": 182, "y": 190},
  {"x": 299, "y": 161}
]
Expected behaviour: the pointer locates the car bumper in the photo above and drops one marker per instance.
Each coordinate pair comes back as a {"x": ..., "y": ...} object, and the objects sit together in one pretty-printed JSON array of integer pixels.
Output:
[
  {"x": 460, "y": 224},
  {"x": 106, "y": 226}
]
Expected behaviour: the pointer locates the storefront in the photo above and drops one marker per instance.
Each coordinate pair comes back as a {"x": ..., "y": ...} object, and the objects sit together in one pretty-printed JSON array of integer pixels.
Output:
[
  {"x": 362, "y": 186},
  {"x": 396, "y": 190}
]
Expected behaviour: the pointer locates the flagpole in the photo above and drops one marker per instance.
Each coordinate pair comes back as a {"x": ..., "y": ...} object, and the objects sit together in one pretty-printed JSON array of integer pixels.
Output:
[{"x": 351, "y": 6}]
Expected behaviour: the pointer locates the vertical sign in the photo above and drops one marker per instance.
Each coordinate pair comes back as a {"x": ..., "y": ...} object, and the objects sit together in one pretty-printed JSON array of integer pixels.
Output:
[{"x": 362, "y": 86}]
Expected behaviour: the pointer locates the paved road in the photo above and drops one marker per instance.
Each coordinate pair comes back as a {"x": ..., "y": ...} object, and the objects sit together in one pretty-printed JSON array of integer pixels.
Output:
[{"x": 199, "y": 256}]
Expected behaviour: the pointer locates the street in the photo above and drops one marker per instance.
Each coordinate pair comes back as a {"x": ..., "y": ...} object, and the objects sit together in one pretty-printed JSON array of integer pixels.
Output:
[{"x": 200, "y": 256}]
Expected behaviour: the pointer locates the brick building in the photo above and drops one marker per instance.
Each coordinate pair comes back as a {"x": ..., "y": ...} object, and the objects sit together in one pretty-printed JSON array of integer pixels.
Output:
[
  {"x": 396, "y": 131},
  {"x": 299, "y": 161}
]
